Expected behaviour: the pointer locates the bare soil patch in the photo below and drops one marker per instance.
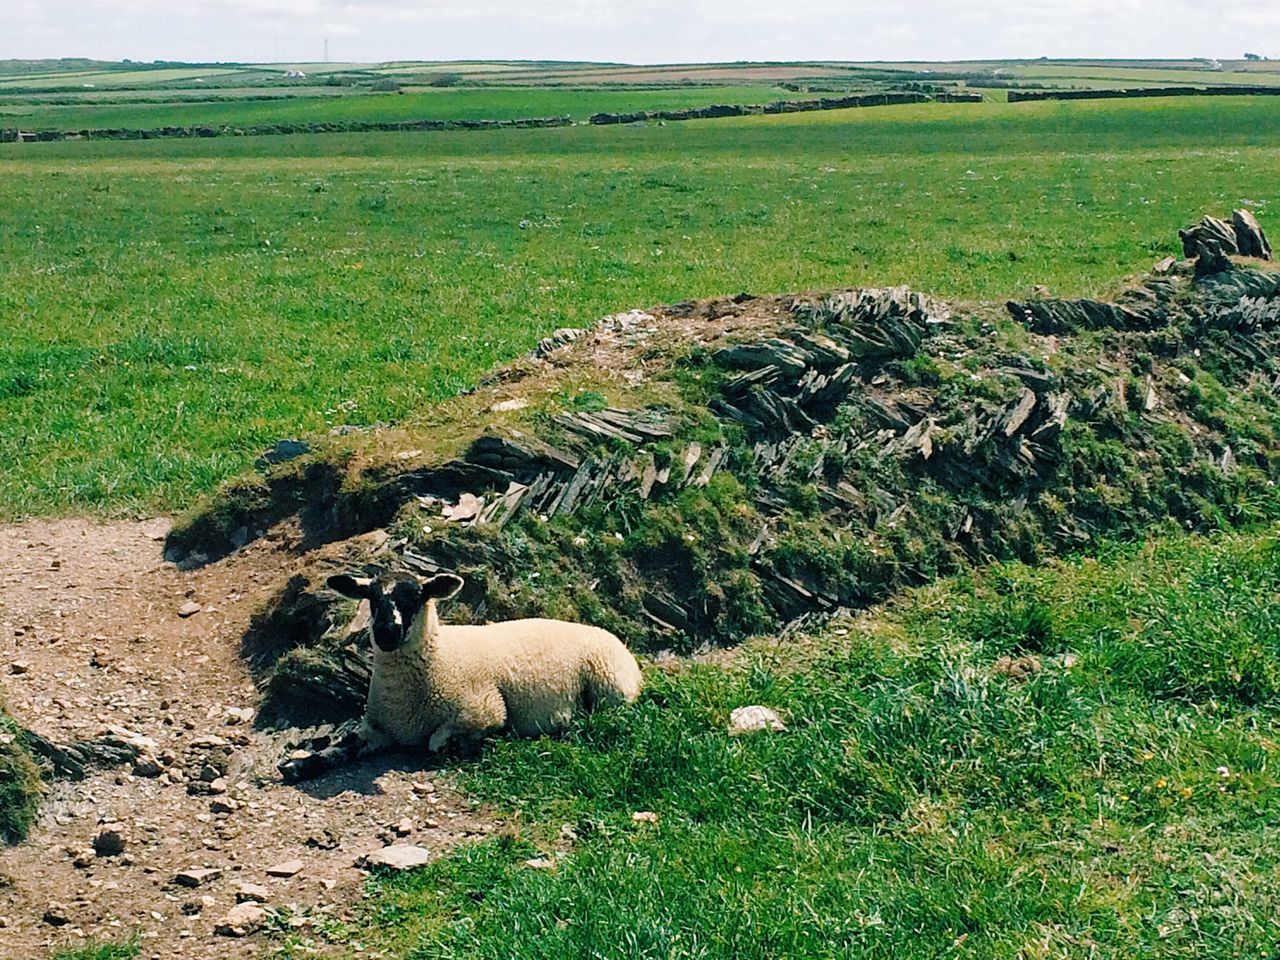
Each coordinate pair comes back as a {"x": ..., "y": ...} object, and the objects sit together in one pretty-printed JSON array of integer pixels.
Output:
[{"x": 90, "y": 638}]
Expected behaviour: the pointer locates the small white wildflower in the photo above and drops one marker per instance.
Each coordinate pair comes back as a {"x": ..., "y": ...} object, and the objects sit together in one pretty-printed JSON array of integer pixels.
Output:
[{"x": 1224, "y": 772}]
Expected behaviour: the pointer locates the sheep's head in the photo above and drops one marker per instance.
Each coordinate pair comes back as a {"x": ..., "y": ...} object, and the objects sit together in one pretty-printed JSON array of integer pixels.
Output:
[{"x": 396, "y": 602}]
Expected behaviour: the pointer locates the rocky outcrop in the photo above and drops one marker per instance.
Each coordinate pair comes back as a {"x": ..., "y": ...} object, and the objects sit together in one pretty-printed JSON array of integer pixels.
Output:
[
  {"x": 1212, "y": 242},
  {"x": 1209, "y": 234},
  {"x": 1062, "y": 316},
  {"x": 1250, "y": 240}
]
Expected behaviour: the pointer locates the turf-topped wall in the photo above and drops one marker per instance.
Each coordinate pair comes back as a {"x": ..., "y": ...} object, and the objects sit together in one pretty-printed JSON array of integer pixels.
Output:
[
  {"x": 706, "y": 471},
  {"x": 1016, "y": 96},
  {"x": 782, "y": 106},
  {"x": 14, "y": 135}
]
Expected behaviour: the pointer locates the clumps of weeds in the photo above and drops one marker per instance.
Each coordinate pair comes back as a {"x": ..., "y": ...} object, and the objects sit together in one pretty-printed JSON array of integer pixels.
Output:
[{"x": 21, "y": 787}]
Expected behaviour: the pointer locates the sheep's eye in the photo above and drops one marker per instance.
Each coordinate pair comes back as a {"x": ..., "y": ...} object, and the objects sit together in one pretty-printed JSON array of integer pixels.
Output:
[{"x": 408, "y": 599}]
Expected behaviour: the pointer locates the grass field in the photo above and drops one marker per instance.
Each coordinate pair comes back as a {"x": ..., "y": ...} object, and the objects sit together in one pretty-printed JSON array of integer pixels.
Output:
[
  {"x": 1089, "y": 76},
  {"x": 922, "y": 804},
  {"x": 170, "y": 308},
  {"x": 443, "y": 104},
  {"x": 120, "y": 78}
]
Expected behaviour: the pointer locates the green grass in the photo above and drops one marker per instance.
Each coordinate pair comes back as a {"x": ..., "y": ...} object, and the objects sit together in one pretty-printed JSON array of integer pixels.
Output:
[
  {"x": 171, "y": 307},
  {"x": 101, "y": 951},
  {"x": 20, "y": 787},
  {"x": 444, "y": 104},
  {"x": 921, "y": 804}
]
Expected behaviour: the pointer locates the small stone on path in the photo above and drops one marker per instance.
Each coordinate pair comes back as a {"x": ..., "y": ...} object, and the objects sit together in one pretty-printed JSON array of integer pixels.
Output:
[
  {"x": 399, "y": 857},
  {"x": 147, "y": 766},
  {"x": 289, "y": 868},
  {"x": 189, "y": 609},
  {"x": 196, "y": 876},
  {"x": 256, "y": 892},
  {"x": 241, "y": 920}
]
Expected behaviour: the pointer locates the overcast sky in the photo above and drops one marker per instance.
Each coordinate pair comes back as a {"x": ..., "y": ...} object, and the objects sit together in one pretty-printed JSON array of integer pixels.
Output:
[{"x": 640, "y": 31}]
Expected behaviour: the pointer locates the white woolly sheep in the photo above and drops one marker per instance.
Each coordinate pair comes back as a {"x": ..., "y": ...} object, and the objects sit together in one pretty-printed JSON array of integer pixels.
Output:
[{"x": 435, "y": 682}]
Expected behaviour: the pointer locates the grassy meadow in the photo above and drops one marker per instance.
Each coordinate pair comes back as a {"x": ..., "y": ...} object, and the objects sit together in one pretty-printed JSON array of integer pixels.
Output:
[
  {"x": 923, "y": 802},
  {"x": 441, "y": 104},
  {"x": 1101, "y": 77},
  {"x": 169, "y": 308}
]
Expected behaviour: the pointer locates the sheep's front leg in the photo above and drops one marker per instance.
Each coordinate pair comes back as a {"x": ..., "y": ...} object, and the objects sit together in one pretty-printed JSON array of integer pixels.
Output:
[
  {"x": 480, "y": 714},
  {"x": 440, "y": 738},
  {"x": 326, "y": 751}
]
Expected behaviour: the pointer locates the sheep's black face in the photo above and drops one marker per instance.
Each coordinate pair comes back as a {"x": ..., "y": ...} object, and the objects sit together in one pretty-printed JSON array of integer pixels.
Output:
[
  {"x": 395, "y": 602},
  {"x": 398, "y": 605}
]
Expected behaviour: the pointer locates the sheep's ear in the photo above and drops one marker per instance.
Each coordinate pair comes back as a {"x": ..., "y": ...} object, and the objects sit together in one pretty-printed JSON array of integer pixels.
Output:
[
  {"x": 357, "y": 588},
  {"x": 441, "y": 587}
]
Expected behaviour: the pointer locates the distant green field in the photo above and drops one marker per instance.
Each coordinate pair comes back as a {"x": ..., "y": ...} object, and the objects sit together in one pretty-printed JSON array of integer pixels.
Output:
[
  {"x": 117, "y": 78},
  {"x": 171, "y": 307},
  {"x": 459, "y": 67},
  {"x": 28, "y": 81},
  {"x": 1096, "y": 76},
  {"x": 443, "y": 104}
]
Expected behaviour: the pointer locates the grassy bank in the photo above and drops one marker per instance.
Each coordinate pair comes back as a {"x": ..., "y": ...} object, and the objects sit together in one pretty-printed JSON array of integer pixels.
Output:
[{"x": 928, "y": 798}]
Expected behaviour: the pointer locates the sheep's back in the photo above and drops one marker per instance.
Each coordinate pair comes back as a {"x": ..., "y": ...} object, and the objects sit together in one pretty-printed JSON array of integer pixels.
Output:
[{"x": 542, "y": 668}]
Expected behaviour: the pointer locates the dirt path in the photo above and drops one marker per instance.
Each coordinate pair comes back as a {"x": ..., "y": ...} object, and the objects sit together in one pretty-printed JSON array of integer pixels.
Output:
[{"x": 90, "y": 638}]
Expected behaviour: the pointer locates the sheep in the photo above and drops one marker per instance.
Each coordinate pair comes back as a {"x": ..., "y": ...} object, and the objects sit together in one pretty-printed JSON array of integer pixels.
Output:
[{"x": 434, "y": 683}]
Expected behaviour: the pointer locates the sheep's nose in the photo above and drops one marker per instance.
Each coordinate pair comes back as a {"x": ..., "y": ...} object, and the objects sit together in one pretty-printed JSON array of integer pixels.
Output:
[{"x": 388, "y": 624}]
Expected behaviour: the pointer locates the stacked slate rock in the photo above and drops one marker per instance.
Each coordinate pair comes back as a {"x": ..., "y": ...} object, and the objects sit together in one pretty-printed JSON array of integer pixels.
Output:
[
  {"x": 821, "y": 394},
  {"x": 1212, "y": 242}
]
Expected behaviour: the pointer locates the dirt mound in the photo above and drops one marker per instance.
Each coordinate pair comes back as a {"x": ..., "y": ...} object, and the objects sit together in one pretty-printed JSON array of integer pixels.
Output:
[{"x": 704, "y": 471}]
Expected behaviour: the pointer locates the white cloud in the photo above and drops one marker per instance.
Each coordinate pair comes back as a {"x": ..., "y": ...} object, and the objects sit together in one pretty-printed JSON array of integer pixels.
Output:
[{"x": 631, "y": 30}]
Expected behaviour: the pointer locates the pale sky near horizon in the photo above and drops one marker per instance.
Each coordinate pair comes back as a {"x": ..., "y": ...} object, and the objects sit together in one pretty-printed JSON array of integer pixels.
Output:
[{"x": 635, "y": 31}]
